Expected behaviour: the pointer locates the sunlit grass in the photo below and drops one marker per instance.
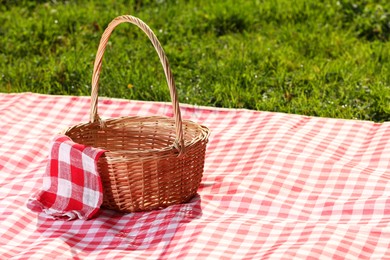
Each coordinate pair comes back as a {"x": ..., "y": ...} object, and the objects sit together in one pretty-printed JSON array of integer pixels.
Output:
[{"x": 319, "y": 58}]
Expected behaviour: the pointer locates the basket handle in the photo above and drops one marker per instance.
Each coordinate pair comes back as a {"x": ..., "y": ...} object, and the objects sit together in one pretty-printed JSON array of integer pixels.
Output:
[{"x": 179, "y": 143}]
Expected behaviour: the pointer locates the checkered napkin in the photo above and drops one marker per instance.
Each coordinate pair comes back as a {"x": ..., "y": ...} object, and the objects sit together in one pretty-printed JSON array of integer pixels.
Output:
[{"x": 71, "y": 186}]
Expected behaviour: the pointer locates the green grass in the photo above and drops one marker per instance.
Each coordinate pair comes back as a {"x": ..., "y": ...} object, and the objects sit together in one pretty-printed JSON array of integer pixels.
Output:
[{"x": 318, "y": 58}]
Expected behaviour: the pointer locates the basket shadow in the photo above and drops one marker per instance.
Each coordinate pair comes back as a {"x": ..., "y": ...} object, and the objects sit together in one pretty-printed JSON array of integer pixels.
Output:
[{"x": 114, "y": 230}]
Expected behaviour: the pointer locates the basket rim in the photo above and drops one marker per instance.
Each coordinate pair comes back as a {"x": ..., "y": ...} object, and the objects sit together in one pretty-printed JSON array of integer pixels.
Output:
[{"x": 203, "y": 136}]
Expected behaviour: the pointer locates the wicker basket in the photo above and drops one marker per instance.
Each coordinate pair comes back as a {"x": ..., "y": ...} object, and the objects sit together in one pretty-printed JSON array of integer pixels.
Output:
[{"x": 151, "y": 162}]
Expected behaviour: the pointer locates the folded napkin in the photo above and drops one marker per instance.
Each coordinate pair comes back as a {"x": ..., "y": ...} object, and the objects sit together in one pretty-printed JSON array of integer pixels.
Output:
[{"x": 71, "y": 185}]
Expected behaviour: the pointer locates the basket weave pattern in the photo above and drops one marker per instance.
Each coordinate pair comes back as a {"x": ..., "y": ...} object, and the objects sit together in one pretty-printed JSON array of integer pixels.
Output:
[{"x": 151, "y": 162}]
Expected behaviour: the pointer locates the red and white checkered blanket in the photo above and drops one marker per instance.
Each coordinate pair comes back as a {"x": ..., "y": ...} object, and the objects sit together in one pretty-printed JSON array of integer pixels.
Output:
[
  {"x": 72, "y": 186},
  {"x": 275, "y": 186}
]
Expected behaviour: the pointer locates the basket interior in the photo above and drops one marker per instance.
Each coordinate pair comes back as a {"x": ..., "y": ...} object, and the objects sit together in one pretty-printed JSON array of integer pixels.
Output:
[{"x": 134, "y": 133}]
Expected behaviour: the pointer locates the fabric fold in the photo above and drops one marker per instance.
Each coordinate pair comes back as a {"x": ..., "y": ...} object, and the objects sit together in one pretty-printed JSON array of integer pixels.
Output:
[{"x": 72, "y": 187}]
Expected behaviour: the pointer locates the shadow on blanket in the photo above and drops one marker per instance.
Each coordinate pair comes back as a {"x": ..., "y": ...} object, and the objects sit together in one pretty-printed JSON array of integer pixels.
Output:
[{"x": 110, "y": 229}]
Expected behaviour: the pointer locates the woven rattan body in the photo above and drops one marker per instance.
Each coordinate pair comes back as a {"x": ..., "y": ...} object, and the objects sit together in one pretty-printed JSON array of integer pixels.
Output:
[{"x": 151, "y": 162}]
